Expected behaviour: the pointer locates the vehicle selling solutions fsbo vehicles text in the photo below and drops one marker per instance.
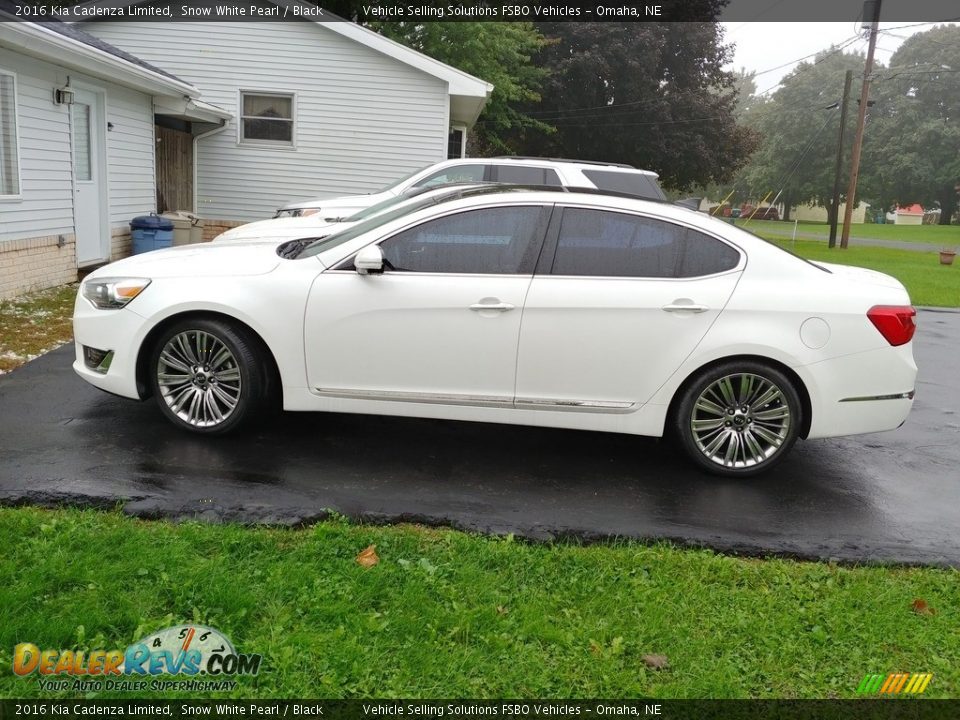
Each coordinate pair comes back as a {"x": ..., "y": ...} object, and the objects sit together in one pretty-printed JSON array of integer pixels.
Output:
[{"x": 507, "y": 11}]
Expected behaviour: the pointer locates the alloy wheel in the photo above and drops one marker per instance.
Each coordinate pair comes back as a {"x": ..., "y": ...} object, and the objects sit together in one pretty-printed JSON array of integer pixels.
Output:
[
  {"x": 199, "y": 378},
  {"x": 741, "y": 420}
]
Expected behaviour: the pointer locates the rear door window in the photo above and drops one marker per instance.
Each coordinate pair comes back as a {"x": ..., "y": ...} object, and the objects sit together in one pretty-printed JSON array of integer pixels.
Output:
[{"x": 601, "y": 243}]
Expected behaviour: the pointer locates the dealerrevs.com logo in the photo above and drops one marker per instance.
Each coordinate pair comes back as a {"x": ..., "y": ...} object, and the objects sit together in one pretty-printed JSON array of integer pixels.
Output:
[{"x": 182, "y": 650}]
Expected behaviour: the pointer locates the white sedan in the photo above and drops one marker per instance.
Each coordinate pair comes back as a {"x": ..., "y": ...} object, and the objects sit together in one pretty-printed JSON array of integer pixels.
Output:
[{"x": 566, "y": 310}]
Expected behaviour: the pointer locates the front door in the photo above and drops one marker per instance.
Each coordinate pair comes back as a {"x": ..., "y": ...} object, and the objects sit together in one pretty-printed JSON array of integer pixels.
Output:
[
  {"x": 440, "y": 325},
  {"x": 89, "y": 178}
]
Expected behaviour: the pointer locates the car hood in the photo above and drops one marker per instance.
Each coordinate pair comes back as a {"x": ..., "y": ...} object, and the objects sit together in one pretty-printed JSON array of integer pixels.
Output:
[
  {"x": 861, "y": 275},
  {"x": 286, "y": 228},
  {"x": 204, "y": 260},
  {"x": 338, "y": 204}
]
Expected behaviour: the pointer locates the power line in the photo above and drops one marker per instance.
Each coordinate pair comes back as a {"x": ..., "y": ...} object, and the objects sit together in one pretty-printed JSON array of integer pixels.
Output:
[
  {"x": 793, "y": 168},
  {"x": 563, "y": 114},
  {"x": 839, "y": 48},
  {"x": 805, "y": 57}
]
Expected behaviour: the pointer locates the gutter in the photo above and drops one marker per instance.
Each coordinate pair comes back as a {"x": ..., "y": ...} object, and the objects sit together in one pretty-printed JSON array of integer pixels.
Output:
[{"x": 30, "y": 39}]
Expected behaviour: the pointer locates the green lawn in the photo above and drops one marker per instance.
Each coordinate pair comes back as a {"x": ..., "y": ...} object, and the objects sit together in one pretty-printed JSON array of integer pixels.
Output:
[
  {"x": 928, "y": 282},
  {"x": 944, "y": 235},
  {"x": 447, "y": 614}
]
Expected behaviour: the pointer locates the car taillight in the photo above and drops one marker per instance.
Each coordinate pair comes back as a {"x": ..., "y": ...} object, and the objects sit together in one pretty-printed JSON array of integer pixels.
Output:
[{"x": 895, "y": 322}]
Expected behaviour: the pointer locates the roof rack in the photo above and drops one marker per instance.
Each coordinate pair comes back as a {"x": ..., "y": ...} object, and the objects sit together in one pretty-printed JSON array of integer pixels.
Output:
[
  {"x": 509, "y": 187},
  {"x": 564, "y": 160}
]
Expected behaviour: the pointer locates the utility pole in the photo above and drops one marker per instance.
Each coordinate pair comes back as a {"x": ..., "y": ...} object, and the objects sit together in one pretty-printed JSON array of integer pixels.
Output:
[
  {"x": 873, "y": 5},
  {"x": 847, "y": 80}
]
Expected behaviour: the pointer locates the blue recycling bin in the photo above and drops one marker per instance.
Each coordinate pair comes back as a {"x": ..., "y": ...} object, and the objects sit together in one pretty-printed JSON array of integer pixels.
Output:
[{"x": 150, "y": 232}]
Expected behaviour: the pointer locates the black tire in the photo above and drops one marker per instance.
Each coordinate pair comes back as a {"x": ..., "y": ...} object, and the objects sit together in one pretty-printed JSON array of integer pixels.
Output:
[
  {"x": 214, "y": 378},
  {"x": 739, "y": 418}
]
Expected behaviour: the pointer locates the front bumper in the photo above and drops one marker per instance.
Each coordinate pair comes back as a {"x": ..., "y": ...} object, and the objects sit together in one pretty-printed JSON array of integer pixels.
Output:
[{"x": 120, "y": 331}]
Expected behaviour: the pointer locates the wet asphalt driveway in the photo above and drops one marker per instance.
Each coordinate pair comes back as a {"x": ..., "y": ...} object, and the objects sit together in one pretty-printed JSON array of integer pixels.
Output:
[{"x": 886, "y": 497}]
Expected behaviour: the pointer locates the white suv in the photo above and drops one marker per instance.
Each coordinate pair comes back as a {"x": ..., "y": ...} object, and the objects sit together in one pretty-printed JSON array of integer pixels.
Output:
[{"x": 513, "y": 170}]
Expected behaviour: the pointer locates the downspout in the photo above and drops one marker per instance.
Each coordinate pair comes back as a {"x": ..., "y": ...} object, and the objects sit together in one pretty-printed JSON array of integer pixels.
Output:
[{"x": 220, "y": 128}]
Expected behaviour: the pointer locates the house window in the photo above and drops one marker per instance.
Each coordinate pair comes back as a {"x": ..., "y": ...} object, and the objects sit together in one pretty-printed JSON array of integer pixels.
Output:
[
  {"x": 9, "y": 158},
  {"x": 267, "y": 118}
]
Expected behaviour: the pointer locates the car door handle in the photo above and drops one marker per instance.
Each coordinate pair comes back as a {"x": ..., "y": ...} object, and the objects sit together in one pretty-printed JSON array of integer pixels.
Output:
[
  {"x": 502, "y": 307},
  {"x": 685, "y": 307}
]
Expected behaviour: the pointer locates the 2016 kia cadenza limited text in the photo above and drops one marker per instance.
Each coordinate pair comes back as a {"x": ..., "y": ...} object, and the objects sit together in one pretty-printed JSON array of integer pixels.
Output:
[{"x": 510, "y": 305}]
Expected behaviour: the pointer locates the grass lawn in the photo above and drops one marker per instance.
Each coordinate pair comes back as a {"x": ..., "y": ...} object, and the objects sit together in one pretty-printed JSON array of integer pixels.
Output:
[
  {"x": 447, "y": 614},
  {"x": 934, "y": 234},
  {"x": 928, "y": 282},
  {"x": 32, "y": 324}
]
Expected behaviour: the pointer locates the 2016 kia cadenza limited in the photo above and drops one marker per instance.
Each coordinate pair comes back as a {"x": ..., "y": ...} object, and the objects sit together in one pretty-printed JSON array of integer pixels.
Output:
[{"x": 510, "y": 305}]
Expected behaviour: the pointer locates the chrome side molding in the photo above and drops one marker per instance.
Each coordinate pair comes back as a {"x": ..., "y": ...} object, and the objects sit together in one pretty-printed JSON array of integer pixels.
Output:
[
  {"x": 897, "y": 396},
  {"x": 479, "y": 400}
]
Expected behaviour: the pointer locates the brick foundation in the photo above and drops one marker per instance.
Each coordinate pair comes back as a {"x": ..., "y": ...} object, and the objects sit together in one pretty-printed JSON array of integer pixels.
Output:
[
  {"x": 36, "y": 263},
  {"x": 212, "y": 228},
  {"x": 120, "y": 243},
  {"x": 43, "y": 262}
]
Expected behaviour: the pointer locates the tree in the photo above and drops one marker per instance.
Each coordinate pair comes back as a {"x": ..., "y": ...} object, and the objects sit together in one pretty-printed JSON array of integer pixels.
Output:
[
  {"x": 912, "y": 145},
  {"x": 654, "y": 95},
  {"x": 499, "y": 53},
  {"x": 797, "y": 156}
]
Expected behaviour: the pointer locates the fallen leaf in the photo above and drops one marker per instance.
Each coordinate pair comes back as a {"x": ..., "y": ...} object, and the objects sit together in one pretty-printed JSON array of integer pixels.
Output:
[
  {"x": 656, "y": 662},
  {"x": 501, "y": 610},
  {"x": 920, "y": 607},
  {"x": 595, "y": 647},
  {"x": 368, "y": 557}
]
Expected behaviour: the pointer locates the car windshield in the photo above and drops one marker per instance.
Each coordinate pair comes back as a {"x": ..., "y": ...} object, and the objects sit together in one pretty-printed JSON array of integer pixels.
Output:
[
  {"x": 402, "y": 207},
  {"x": 390, "y": 202},
  {"x": 400, "y": 181},
  {"x": 409, "y": 203}
]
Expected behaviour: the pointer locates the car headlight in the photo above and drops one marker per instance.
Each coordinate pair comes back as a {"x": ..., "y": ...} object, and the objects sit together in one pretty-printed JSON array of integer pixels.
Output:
[{"x": 113, "y": 293}]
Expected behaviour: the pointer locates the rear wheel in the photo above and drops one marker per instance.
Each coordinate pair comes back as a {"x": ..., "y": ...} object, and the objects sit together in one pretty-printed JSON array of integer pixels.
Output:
[
  {"x": 208, "y": 376},
  {"x": 739, "y": 418}
]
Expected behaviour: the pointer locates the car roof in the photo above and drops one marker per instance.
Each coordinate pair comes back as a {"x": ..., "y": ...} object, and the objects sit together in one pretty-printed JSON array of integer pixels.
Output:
[{"x": 570, "y": 161}]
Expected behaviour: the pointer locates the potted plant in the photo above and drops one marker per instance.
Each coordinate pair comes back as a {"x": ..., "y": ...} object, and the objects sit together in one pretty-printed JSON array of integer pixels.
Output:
[{"x": 947, "y": 255}]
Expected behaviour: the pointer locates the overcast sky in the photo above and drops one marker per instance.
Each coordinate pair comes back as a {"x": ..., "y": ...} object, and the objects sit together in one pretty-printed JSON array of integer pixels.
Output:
[{"x": 761, "y": 46}]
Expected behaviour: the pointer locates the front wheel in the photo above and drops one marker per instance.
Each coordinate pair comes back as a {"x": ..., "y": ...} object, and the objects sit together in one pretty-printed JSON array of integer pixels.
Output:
[
  {"x": 207, "y": 376},
  {"x": 739, "y": 418}
]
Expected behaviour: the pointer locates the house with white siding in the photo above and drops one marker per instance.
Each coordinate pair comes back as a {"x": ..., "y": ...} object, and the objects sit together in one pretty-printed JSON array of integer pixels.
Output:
[
  {"x": 101, "y": 122},
  {"x": 76, "y": 150},
  {"x": 318, "y": 107}
]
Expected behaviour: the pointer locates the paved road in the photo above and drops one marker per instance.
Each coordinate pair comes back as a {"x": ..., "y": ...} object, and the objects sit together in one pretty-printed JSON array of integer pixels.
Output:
[{"x": 885, "y": 497}]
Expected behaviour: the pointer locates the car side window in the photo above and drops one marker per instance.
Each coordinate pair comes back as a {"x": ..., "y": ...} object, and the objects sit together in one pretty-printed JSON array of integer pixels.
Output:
[
  {"x": 526, "y": 175},
  {"x": 456, "y": 173},
  {"x": 504, "y": 240},
  {"x": 610, "y": 244}
]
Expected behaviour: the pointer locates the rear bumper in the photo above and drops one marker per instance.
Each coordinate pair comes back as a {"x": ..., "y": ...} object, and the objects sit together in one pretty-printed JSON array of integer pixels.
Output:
[{"x": 861, "y": 393}]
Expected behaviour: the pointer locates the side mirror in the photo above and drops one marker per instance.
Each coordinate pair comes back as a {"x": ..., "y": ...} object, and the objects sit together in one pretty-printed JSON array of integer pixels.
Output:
[{"x": 369, "y": 260}]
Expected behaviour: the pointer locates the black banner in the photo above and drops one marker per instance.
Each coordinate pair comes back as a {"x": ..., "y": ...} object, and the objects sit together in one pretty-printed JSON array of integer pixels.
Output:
[
  {"x": 866, "y": 709},
  {"x": 486, "y": 10}
]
